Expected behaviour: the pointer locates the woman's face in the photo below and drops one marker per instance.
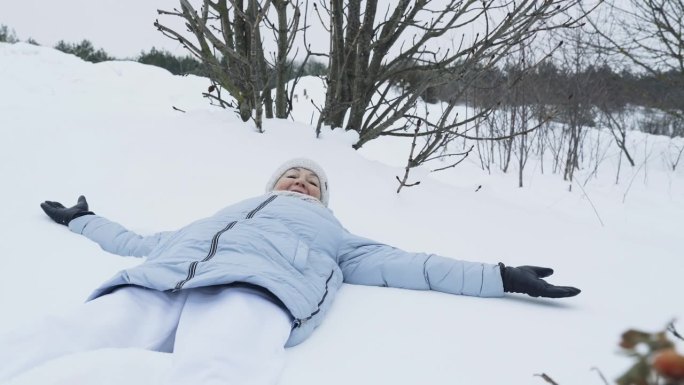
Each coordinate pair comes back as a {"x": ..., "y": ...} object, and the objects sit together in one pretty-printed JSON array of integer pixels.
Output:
[{"x": 301, "y": 180}]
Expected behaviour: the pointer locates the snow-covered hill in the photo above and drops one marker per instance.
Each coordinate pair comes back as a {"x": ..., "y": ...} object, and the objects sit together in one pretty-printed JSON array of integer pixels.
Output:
[{"x": 109, "y": 131}]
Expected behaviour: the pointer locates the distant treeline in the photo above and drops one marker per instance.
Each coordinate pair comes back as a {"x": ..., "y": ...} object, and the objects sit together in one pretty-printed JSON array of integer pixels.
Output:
[
  {"x": 177, "y": 65},
  {"x": 549, "y": 84}
]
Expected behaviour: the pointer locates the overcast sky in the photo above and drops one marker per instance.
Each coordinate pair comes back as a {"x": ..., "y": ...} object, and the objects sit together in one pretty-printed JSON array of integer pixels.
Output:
[{"x": 123, "y": 28}]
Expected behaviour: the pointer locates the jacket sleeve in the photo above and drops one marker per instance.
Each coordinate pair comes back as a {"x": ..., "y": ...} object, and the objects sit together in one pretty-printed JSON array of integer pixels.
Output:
[
  {"x": 114, "y": 238},
  {"x": 367, "y": 262}
]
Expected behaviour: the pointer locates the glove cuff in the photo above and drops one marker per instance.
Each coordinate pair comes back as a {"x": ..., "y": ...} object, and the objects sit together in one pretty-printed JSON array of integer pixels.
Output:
[
  {"x": 502, "y": 270},
  {"x": 79, "y": 214}
]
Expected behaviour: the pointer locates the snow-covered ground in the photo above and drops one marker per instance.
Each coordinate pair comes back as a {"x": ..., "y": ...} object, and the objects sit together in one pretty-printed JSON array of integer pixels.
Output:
[{"x": 109, "y": 131}]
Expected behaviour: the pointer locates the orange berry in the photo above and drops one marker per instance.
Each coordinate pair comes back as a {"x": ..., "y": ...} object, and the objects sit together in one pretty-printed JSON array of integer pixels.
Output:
[{"x": 669, "y": 364}]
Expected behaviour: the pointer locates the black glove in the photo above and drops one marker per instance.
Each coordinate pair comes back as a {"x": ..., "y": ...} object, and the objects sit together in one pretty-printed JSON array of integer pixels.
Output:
[
  {"x": 528, "y": 280},
  {"x": 63, "y": 215}
]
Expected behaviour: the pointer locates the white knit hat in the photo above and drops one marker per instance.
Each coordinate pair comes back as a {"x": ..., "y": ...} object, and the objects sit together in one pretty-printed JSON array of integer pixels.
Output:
[{"x": 302, "y": 163}]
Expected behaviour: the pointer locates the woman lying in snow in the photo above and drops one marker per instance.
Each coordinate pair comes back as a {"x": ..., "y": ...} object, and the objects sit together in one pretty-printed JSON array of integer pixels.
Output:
[{"x": 227, "y": 293}]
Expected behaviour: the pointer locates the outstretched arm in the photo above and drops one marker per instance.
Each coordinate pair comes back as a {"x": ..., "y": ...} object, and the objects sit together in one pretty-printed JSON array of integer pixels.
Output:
[
  {"x": 367, "y": 262},
  {"x": 111, "y": 236}
]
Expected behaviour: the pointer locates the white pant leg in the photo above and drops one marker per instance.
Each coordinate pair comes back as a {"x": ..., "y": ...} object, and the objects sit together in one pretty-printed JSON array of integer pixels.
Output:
[
  {"x": 129, "y": 317},
  {"x": 229, "y": 336}
]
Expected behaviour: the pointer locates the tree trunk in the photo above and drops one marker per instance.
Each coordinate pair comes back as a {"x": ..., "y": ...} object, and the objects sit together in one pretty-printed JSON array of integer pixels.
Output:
[
  {"x": 255, "y": 64},
  {"x": 335, "y": 106},
  {"x": 360, "y": 96},
  {"x": 522, "y": 158},
  {"x": 509, "y": 142},
  {"x": 281, "y": 61}
]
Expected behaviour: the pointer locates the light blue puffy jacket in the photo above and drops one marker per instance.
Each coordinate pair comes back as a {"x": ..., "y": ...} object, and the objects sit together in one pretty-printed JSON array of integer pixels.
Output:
[{"x": 294, "y": 248}]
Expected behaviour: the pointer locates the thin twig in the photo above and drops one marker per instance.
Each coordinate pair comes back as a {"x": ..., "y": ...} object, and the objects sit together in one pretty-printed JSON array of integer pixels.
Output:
[
  {"x": 624, "y": 197},
  {"x": 600, "y": 374},
  {"x": 590, "y": 202},
  {"x": 671, "y": 329},
  {"x": 403, "y": 183},
  {"x": 546, "y": 378},
  {"x": 465, "y": 155}
]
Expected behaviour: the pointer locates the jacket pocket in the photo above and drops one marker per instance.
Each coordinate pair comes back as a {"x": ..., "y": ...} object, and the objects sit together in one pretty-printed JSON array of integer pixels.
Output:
[{"x": 301, "y": 255}]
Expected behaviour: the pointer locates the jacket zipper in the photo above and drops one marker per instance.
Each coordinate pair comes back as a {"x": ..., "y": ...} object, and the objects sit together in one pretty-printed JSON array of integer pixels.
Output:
[
  {"x": 298, "y": 322},
  {"x": 214, "y": 244}
]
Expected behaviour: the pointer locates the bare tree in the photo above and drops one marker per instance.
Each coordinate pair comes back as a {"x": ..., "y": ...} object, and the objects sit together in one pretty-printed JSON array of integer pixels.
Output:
[
  {"x": 618, "y": 124},
  {"x": 674, "y": 155},
  {"x": 583, "y": 88},
  {"x": 523, "y": 104},
  {"x": 649, "y": 33},
  {"x": 285, "y": 32},
  {"x": 373, "y": 50},
  {"x": 368, "y": 54},
  {"x": 227, "y": 38},
  {"x": 518, "y": 111}
]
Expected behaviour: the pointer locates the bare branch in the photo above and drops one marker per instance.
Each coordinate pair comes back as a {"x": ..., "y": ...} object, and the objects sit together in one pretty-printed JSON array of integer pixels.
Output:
[
  {"x": 603, "y": 378},
  {"x": 410, "y": 164},
  {"x": 671, "y": 329},
  {"x": 226, "y": 36},
  {"x": 546, "y": 378}
]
